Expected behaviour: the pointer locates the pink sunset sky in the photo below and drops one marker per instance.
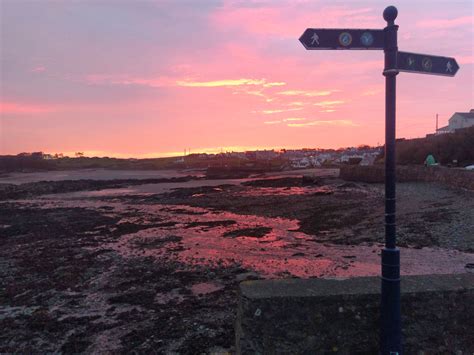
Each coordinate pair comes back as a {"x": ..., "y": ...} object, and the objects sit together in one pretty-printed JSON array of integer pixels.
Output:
[{"x": 151, "y": 78}]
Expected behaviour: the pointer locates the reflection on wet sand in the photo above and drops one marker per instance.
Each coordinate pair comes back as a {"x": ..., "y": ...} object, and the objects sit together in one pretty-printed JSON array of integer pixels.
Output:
[{"x": 199, "y": 236}]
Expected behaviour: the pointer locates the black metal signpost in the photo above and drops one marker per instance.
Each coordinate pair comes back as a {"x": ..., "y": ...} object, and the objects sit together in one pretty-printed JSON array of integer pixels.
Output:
[
  {"x": 426, "y": 64},
  {"x": 395, "y": 61}
]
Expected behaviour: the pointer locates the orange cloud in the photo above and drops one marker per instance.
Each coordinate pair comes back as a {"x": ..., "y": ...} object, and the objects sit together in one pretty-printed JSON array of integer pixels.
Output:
[
  {"x": 371, "y": 92},
  {"x": 291, "y": 119},
  {"x": 228, "y": 82},
  {"x": 269, "y": 85},
  {"x": 296, "y": 103},
  {"x": 217, "y": 83},
  {"x": 269, "y": 112},
  {"x": 323, "y": 123},
  {"x": 250, "y": 92},
  {"x": 104, "y": 79},
  {"x": 306, "y": 93},
  {"x": 294, "y": 119},
  {"x": 329, "y": 106}
]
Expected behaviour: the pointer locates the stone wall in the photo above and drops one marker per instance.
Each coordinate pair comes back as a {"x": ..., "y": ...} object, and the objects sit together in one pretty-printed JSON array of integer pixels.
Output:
[
  {"x": 375, "y": 173},
  {"x": 319, "y": 316}
]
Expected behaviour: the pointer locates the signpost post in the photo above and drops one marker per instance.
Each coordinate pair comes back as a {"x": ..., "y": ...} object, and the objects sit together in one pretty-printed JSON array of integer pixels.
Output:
[{"x": 395, "y": 61}]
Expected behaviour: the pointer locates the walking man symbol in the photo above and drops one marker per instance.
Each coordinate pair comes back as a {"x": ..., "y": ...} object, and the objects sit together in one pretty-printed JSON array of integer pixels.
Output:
[
  {"x": 449, "y": 67},
  {"x": 315, "y": 38}
]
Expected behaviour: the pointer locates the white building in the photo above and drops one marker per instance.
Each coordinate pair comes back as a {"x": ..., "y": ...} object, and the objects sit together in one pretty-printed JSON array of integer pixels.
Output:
[
  {"x": 458, "y": 121},
  {"x": 298, "y": 163},
  {"x": 369, "y": 158}
]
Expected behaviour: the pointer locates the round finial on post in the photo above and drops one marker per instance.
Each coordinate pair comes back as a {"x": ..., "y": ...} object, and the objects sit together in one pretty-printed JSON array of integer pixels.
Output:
[{"x": 390, "y": 14}]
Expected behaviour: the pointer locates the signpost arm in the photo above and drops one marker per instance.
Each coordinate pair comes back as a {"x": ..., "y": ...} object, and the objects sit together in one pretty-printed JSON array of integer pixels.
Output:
[{"x": 390, "y": 303}]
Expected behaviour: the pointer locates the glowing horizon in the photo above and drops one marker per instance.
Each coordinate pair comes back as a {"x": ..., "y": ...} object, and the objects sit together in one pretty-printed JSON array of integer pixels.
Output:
[
  {"x": 150, "y": 79},
  {"x": 214, "y": 150}
]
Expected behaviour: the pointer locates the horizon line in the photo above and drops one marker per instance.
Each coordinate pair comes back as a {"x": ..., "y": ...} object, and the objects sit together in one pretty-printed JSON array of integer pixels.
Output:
[{"x": 243, "y": 149}]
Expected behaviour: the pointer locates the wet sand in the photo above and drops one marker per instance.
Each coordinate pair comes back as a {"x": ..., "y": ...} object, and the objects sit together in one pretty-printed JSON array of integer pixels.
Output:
[
  {"x": 155, "y": 268},
  {"x": 94, "y": 174}
]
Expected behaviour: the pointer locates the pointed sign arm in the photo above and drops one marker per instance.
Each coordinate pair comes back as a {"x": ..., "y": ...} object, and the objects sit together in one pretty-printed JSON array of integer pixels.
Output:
[
  {"x": 426, "y": 64},
  {"x": 340, "y": 38}
]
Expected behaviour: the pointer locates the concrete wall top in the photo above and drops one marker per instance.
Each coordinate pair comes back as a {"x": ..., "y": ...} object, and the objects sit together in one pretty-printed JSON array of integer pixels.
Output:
[{"x": 352, "y": 286}]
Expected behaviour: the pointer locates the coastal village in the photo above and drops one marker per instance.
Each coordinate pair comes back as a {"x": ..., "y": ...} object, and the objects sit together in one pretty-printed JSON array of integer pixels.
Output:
[
  {"x": 363, "y": 155},
  {"x": 296, "y": 158}
]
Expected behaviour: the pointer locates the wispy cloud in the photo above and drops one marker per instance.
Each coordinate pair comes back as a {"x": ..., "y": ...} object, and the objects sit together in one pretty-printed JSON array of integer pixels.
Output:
[
  {"x": 38, "y": 69},
  {"x": 296, "y": 103},
  {"x": 329, "y": 104},
  {"x": 162, "y": 81},
  {"x": 323, "y": 123},
  {"x": 250, "y": 92},
  {"x": 446, "y": 23},
  {"x": 228, "y": 83},
  {"x": 371, "y": 92},
  {"x": 217, "y": 83},
  {"x": 278, "y": 83},
  {"x": 269, "y": 112},
  {"x": 306, "y": 93},
  {"x": 105, "y": 79},
  {"x": 24, "y": 108},
  {"x": 283, "y": 18},
  {"x": 291, "y": 119}
]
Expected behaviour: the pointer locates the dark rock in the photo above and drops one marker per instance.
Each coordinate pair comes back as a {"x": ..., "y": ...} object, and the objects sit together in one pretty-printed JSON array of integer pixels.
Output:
[{"x": 257, "y": 232}]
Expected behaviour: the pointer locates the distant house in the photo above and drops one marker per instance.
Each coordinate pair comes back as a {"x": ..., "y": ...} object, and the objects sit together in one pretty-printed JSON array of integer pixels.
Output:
[
  {"x": 369, "y": 159},
  {"x": 266, "y": 154},
  {"x": 300, "y": 163},
  {"x": 251, "y": 155},
  {"x": 458, "y": 121},
  {"x": 441, "y": 130}
]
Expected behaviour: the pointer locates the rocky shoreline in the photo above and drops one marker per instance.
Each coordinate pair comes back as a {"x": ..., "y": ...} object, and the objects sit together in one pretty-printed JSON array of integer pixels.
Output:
[{"x": 159, "y": 272}]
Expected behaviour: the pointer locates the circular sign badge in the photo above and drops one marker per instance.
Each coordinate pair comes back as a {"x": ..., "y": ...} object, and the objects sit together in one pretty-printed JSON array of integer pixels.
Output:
[
  {"x": 427, "y": 64},
  {"x": 367, "y": 39},
  {"x": 345, "y": 39}
]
